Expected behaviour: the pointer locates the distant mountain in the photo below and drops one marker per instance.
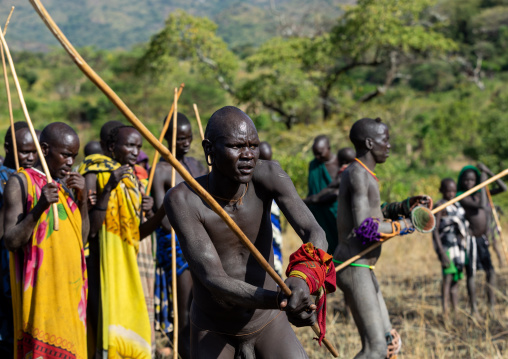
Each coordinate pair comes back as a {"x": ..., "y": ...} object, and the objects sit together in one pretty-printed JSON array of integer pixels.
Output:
[{"x": 113, "y": 24}]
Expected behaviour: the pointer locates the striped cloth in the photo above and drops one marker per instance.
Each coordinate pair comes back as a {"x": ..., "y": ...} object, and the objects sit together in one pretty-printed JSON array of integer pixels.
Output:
[
  {"x": 146, "y": 261},
  {"x": 454, "y": 235},
  {"x": 146, "y": 265},
  {"x": 277, "y": 239}
]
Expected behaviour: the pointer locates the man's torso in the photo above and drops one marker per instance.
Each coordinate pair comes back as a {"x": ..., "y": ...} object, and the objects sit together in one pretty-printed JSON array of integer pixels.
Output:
[
  {"x": 253, "y": 218},
  {"x": 477, "y": 218},
  {"x": 349, "y": 245}
]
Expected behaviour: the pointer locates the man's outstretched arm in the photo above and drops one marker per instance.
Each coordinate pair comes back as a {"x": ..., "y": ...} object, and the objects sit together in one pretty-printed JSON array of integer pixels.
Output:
[
  {"x": 276, "y": 181},
  {"x": 204, "y": 262}
]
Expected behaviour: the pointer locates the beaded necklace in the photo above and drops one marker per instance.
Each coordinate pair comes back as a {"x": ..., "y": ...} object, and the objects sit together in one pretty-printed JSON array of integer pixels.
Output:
[
  {"x": 363, "y": 165},
  {"x": 235, "y": 202}
]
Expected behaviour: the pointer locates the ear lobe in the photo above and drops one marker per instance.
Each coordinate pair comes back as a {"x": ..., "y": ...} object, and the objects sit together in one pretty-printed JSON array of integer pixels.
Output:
[
  {"x": 369, "y": 143},
  {"x": 207, "y": 146},
  {"x": 44, "y": 148}
]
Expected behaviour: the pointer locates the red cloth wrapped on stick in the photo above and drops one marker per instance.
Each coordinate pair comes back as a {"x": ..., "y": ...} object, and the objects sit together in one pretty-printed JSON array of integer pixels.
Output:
[{"x": 316, "y": 267}]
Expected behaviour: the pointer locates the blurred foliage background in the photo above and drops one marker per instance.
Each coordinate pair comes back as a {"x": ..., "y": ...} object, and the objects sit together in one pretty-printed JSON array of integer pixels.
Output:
[{"x": 435, "y": 71}]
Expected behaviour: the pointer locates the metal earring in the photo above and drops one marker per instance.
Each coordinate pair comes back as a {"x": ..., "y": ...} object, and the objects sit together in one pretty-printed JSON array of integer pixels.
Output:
[{"x": 210, "y": 160}]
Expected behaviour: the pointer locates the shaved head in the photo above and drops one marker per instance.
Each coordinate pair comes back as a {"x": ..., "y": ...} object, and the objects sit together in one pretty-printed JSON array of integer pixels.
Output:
[
  {"x": 105, "y": 132},
  {"x": 60, "y": 146},
  {"x": 92, "y": 148},
  {"x": 231, "y": 144},
  {"x": 181, "y": 122},
  {"x": 222, "y": 121},
  {"x": 346, "y": 155},
  {"x": 321, "y": 140},
  {"x": 321, "y": 148},
  {"x": 56, "y": 132},
  {"x": 106, "y": 129},
  {"x": 26, "y": 150},
  {"x": 445, "y": 182},
  {"x": 363, "y": 129},
  {"x": 8, "y": 135},
  {"x": 265, "y": 151}
]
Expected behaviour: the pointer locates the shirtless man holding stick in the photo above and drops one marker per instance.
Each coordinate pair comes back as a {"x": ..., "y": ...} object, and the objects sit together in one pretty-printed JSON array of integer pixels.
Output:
[
  {"x": 236, "y": 311},
  {"x": 361, "y": 221}
]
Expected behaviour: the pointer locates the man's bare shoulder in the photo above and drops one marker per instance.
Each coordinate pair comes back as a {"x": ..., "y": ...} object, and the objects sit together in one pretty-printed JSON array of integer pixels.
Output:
[
  {"x": 193, "y": 160},
  {"x": 13, "y": 188},
  {"x": 183, "y": 194},
  {"x": 357, "y": 176},
  {"x": 162, "y": 168},
  {"x": 267, "y": 172},
  {"x": 15, "y": 181},
  {"x": 198, "y": 165}
]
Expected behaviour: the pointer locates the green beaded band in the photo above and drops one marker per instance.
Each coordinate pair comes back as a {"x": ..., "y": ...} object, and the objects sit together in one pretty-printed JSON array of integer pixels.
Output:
[{"x": 356, "y": 264}]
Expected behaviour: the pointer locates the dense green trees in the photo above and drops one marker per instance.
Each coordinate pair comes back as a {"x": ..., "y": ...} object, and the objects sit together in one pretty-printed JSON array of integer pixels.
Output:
[
  {"x": 297, "y": 76},
  {"x": 436, "y": 73}
]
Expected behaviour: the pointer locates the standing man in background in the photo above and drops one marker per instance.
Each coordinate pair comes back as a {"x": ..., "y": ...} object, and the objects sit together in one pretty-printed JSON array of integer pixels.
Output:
[{"x": 322, "y": 170}]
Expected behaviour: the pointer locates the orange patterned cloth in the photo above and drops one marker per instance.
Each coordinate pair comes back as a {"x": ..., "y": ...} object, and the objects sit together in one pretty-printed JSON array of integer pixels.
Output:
[{"x": 316, "y": 267}]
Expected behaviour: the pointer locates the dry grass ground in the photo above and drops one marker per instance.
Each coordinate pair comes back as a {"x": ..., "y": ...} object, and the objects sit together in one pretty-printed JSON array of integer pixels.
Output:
[{"x": 410, "y": 278}]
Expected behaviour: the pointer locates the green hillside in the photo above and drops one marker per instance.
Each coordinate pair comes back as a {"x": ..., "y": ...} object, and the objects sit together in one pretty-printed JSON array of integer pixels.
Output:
[
  {"x": 114, "y": 24},
  {"x": 435, "y": 71}
]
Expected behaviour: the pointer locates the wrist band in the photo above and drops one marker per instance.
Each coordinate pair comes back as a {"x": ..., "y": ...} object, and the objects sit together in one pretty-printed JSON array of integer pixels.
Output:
[
  {"x": 100, "y": 208},
  {"x": 408, "y": 230},
  {"x": 277, "y": 299}
]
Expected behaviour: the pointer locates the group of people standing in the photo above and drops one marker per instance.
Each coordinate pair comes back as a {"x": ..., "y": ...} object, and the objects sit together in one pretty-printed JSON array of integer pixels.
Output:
[
  {"x": 86, "y": 288},
  {"x": 98, "y": 286},
  {"x": 462, "y": 235}
]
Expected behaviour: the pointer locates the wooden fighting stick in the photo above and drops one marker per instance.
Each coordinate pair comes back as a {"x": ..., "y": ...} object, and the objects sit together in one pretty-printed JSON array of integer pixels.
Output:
[
  {"x": 8, "y": 90},
  {"x": 498, "y": 224},
  {"x": 99, "y": 82},
  {"x": 161, "y": 138},
  {"x": 30, "y": 126},
  {"x": 201, "y": 133},
  {"x": 173, "y": 234},
  {"x": 434, "y": 211}
]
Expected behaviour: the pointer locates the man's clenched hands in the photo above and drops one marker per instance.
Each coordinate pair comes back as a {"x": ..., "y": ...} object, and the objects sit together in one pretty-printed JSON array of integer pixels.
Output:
[{"x": 299, "y": 306}]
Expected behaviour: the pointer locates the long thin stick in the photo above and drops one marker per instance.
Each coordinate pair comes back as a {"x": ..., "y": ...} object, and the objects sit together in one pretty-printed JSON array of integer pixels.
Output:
[
  {"x": 187, "y": 177},
  {"x": 200, "y": 126},
  {"x": 161, "y": 138},
  {"x": 498, "y": 224},
  {"x": 434, "y": 211},
  {"x": 8, "y": 20},
  {"x": 9, "y": 101},
  {"x": 31, "y": 127},
  {"x": 173, "y": 234}
]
